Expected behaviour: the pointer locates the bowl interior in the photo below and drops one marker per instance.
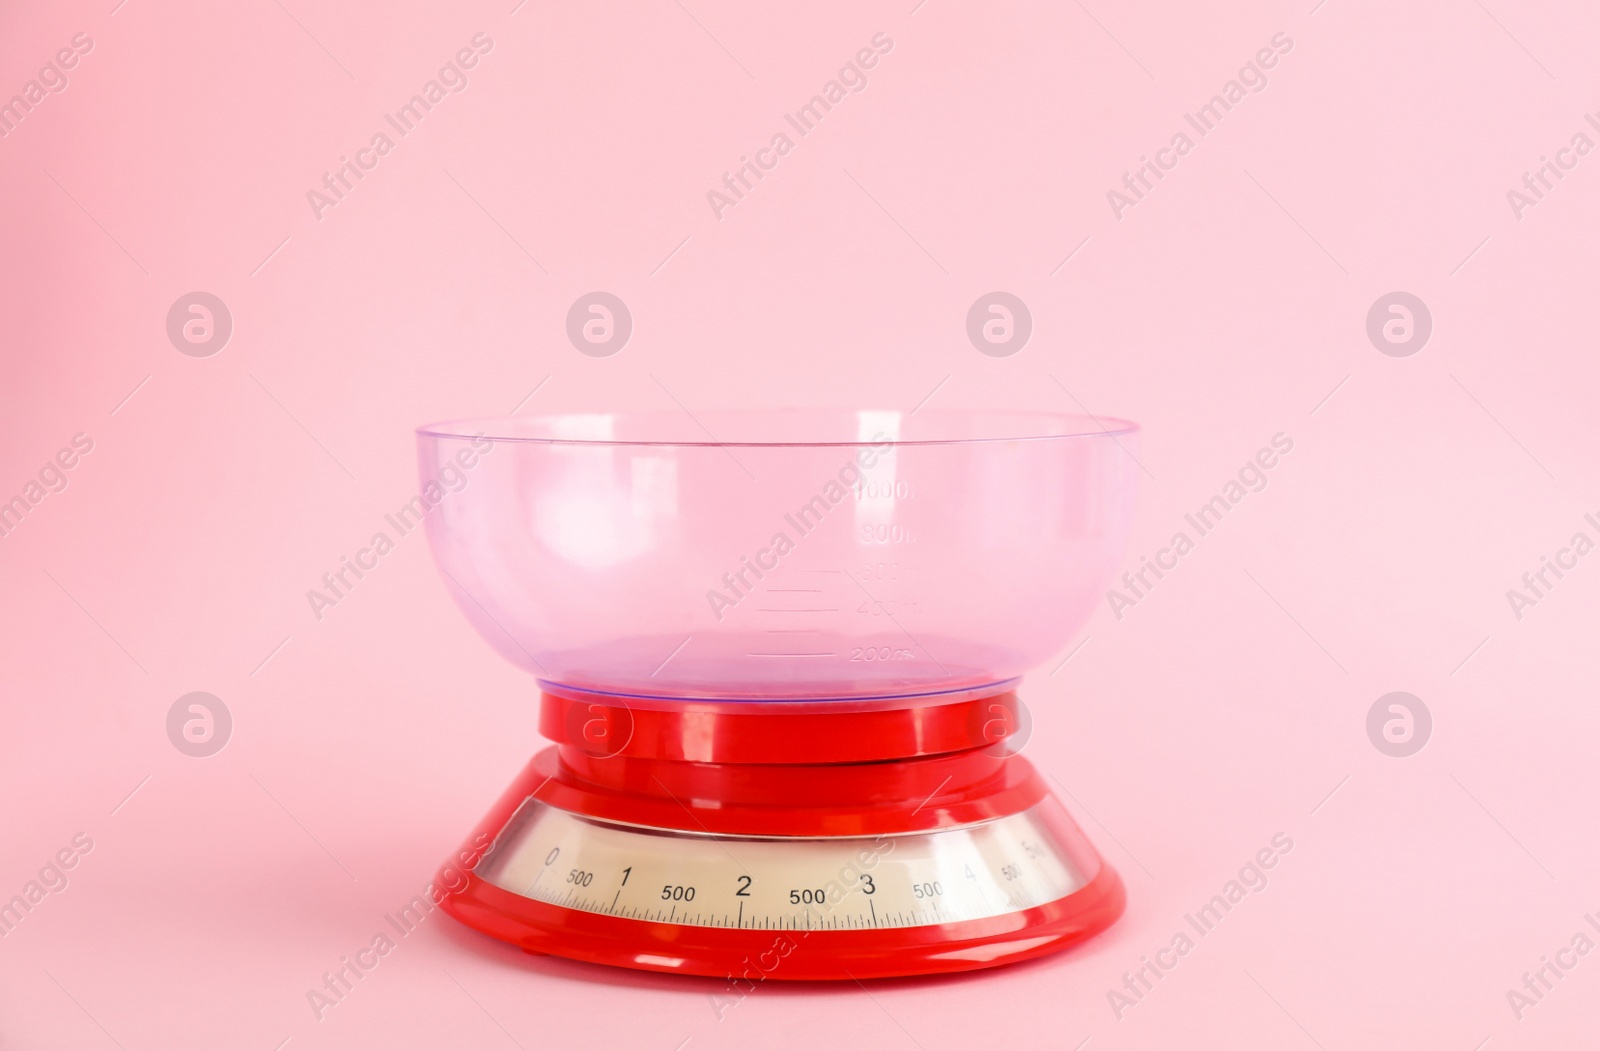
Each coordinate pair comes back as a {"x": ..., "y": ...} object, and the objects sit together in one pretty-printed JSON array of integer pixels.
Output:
[{"x": 777, "y": 556}]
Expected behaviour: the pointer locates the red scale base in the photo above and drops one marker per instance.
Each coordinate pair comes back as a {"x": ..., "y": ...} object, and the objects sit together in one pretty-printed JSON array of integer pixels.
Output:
[{"x": 722, "y": 806}]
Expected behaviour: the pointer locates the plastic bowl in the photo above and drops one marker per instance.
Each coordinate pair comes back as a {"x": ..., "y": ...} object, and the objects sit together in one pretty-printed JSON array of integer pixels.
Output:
[{"x": 777, "y": 556}]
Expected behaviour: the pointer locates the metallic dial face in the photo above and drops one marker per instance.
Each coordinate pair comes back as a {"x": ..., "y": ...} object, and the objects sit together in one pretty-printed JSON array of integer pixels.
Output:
[{"x": 914, "y": 879}]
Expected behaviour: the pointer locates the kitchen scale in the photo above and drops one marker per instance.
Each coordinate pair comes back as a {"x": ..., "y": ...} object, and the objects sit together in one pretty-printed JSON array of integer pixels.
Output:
[{"x": 778, "y": 668}]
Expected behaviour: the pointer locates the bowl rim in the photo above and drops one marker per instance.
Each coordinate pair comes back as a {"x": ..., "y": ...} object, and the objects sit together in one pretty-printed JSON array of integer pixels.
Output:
[{"x": 1066, "y": 427}]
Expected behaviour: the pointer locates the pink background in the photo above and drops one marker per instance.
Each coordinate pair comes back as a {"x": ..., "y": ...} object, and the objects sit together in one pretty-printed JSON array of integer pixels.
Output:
[{"x": 1222, "y": 309}]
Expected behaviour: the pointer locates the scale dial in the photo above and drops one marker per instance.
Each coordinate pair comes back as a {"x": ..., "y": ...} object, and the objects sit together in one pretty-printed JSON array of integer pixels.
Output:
[{"x": 943, "y": 876}]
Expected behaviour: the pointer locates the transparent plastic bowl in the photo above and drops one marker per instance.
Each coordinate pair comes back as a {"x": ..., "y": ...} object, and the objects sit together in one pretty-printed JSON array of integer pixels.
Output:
[{"x": 778, "y": 556}]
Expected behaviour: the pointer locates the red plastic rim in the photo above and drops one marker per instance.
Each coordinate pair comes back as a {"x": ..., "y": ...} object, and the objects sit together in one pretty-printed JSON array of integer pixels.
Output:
[
  {"x": 605, "y": 725},
  {"x": 904, "y": 796}
]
